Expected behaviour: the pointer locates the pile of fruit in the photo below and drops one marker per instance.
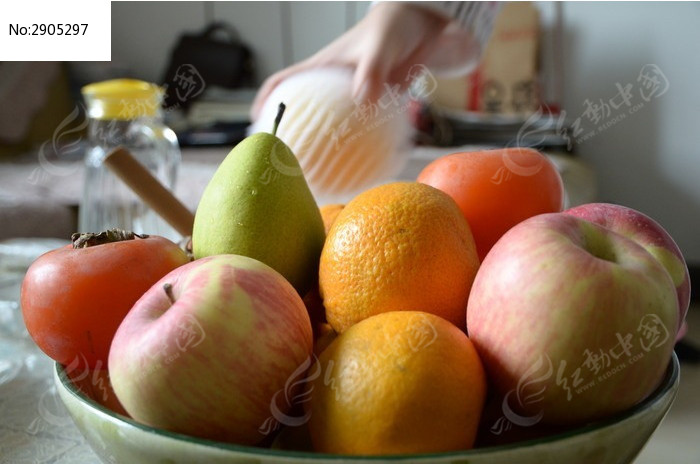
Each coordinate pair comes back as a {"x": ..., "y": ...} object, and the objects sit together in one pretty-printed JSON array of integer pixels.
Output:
[{"x": 419, "y": 317}]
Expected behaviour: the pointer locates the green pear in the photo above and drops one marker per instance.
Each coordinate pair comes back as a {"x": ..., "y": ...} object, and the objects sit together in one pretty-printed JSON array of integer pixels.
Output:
[{"x": 259, "y": 205}]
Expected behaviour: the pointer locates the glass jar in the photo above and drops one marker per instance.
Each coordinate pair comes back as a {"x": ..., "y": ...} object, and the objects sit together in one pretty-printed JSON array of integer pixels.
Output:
[{"x": 125, "y": 112}]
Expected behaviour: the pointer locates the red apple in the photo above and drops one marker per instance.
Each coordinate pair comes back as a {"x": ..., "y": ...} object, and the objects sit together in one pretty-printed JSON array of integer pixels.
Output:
[
  {"x": 572, "y": 321},
  {"x": 208, "y": 349},
  {"x": 650, "y": 235}
]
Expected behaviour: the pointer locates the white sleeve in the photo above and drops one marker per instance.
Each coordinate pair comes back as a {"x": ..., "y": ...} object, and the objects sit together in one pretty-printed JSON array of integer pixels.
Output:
[
  {"x": 461, "y": 44},
  {"x": 474, "y": 17}
]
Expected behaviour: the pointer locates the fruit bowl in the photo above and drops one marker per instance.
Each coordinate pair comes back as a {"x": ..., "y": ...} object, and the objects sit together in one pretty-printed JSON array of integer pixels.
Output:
[{"x": 116, "y": 438}]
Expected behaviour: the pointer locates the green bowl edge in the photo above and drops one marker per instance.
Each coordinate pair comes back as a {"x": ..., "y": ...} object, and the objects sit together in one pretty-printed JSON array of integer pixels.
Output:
[{"x": 671, "y": 379}]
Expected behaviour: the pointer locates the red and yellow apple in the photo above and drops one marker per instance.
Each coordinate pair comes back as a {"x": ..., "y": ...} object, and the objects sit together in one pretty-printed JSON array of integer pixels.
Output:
[
  {"x": 572, "y": 321},
  {"x": 649, "y": 234},
  {"x": 208, "y": 348}
]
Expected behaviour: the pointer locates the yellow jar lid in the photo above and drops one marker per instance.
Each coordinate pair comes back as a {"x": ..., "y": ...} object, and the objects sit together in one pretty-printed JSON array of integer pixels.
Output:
[{"x": 122, "y": 99}]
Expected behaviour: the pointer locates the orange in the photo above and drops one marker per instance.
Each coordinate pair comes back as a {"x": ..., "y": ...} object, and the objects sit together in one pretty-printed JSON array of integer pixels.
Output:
[
  {"x": 399, "y": 382},
  {"x": 323, "y": 336},
  {"x": 312, "y": 300},
  {"x": 314, "y": 305},
  {"x": 397, "y": 247},
  {"x": 329, "y": 213},
  {"x": 497, "y": 189}
]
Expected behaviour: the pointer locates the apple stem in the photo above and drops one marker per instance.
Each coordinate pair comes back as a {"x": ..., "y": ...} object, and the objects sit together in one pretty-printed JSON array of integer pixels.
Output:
[
  {"x": 169, "y": 292},
  {"x": 278, "y": 118}
]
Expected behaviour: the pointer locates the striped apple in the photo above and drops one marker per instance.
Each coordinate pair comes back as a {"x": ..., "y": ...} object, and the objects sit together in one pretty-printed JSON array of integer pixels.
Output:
[
  {"x": 572, "y": 321},
  {"x": 652, "y": 237},
  {"x": 205, "y": 350}
]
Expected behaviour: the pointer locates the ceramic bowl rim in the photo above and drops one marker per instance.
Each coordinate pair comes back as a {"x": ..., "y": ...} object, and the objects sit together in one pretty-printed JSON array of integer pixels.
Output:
[{"x": 669, "y": 382}]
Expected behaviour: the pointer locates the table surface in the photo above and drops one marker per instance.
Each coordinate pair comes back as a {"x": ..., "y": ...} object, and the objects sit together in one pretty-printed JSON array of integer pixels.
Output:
[{"x": 36, "y": 428}]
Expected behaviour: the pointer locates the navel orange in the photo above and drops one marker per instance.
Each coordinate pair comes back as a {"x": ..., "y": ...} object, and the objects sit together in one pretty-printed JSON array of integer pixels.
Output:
[
  {"x": 312, "y": 300},
  {"x": 329, "y": 213},
  {"x": 398, "y": 382},
  {"x": 397, "y": 247}
]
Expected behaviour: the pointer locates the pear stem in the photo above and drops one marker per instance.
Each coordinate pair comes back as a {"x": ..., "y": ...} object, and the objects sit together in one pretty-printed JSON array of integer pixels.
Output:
[
  {"x": 169, "y": 292},
  {"x": 278, "y": 118}
]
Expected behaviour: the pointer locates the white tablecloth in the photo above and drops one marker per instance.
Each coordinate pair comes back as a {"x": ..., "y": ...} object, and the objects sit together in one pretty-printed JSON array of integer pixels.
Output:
[{"x": 34, "y": 425}]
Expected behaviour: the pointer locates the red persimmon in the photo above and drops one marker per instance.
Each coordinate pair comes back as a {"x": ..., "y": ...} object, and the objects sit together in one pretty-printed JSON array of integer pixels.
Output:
[
  {"x": 73, "y": 299},
  {"x": 496, "y": 189}
]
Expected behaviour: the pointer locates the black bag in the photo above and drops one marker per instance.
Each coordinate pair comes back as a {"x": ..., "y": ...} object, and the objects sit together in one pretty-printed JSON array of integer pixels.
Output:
[{"x": 204, "y": 59}]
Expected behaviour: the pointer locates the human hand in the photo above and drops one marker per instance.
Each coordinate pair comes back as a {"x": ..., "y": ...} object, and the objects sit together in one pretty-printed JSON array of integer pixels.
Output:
[{"x": 382, "y": 47}]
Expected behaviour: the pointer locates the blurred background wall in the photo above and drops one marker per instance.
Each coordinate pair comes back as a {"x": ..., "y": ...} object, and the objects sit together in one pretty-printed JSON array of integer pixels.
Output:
[
  {"x": 647, "y": 159},
  {"x": 279, "y": 33},
  {"x": 651, "y": 159}
]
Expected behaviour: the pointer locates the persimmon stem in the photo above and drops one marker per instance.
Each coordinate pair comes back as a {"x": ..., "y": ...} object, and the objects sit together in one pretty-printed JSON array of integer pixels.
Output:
[
  {"x": 89, "y": 239},
  {"x": 169, "y": 292}
]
